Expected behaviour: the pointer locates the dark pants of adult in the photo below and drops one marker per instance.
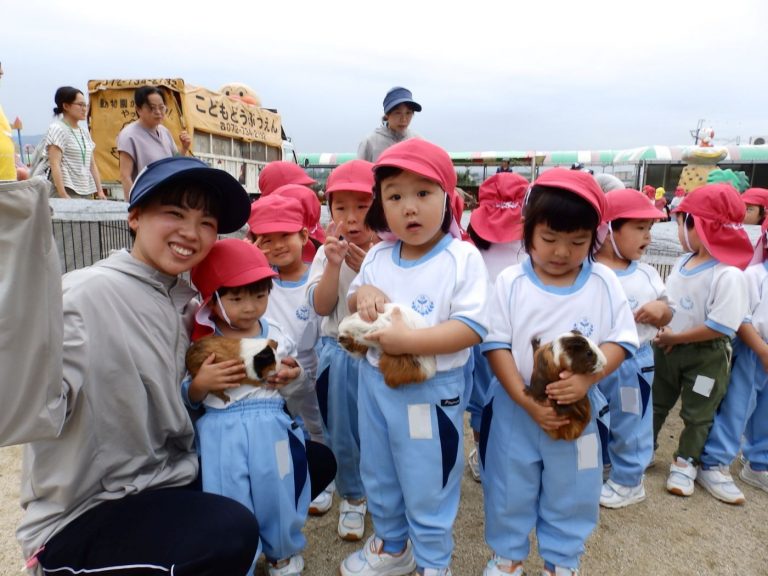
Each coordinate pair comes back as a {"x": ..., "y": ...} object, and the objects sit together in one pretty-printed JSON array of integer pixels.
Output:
[{"x": 179, "y": 531}]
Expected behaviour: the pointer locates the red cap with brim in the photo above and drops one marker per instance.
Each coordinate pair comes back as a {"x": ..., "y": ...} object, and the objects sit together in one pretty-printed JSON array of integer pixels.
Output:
[
  {"x": 276, "y": 213},
  {"x": 352, "y": 176},
  {"x": 718, "y": 215},
  {"x": 629, "y": 203},
  {"x": 280, "y": 173},
  {"x": 755, "y": 196},
  {"x": 310, "y": 206},
  {"x": 231, "y": 263},
  {"x": 498, "y": 216},
  {"x": 580, "y": 183}
]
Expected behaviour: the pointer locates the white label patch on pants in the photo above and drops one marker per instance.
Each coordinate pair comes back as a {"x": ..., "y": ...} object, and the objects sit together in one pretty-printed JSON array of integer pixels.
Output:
[
  {"x": 630, "y": 399},
  {"x": 420, "y": 421},
  {"x": 587, "y": 448},
  {"x": 283, "y": 457},
  {"x": 703, "y": 385}
]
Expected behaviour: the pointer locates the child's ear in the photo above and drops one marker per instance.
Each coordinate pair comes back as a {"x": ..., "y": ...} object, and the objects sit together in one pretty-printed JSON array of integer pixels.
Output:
[{"x": 304, "y": 235}]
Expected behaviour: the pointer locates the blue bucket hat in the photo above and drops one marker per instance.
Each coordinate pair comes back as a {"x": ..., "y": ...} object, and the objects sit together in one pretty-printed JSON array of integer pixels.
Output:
[
  {"x": 235, "y": 204},
  {"x": 399, "y": 95}
]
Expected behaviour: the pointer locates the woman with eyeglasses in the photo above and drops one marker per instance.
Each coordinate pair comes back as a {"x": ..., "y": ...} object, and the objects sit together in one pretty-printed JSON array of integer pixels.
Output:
[
  {"x": 69, "y": 148},
  {"x": 146, "y": 140}
]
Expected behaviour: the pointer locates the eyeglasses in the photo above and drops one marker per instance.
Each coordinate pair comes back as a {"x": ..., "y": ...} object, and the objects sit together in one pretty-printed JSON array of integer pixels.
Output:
[
  {"x": 81, "y": 104},
  {"x": 162, "y": 108}
]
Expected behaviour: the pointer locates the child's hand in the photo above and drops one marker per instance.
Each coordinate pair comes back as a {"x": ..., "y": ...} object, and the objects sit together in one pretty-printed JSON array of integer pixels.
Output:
[
  {"x": 665, "y": 339},
  {"x": 216, "y": 377},
  {"x": 763, "y": 357},
  {"x": 545, "y": 416},
  {"x": 355, "y": 256},
  {"x": 259, "y": 243},
  {"x": 370, "y": 302},
  {"x": 393, "y": 339},
  {"x": 653, "y": 313},
  {"x": 570, "y": 388},
  {"x": 289, "y": 371},
  {"x": 336, "y": 249}
]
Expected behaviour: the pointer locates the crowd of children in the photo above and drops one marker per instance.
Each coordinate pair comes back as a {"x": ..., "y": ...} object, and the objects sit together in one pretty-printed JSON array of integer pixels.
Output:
[{"x": 546, "y": 258}]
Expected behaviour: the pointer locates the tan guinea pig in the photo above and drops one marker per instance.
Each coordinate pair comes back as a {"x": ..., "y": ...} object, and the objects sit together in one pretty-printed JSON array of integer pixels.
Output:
[
  {"x": 576, "y": 353},
  {"x": 258, "y": 354}
]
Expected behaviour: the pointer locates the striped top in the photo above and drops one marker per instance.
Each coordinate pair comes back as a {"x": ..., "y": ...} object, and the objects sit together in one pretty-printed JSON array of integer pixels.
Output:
[{"x": 76, "y": 148}]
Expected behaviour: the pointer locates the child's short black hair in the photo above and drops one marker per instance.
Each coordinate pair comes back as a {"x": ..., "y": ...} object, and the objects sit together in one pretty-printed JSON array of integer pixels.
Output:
[
  {"x": 618, "y": 223},
  {"x": 479, "y": 242},
  {"x": 263, "y": 285},
  {"x": 687, "y": 218},
  {"x": 562, "y": 211},
  {"x": 375, "y": 219},
  {"x": 184, "y": 194}
]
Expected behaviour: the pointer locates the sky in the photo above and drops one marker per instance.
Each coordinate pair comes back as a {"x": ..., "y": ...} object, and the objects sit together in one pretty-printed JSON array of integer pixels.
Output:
[{"x": 492, "y": 75}]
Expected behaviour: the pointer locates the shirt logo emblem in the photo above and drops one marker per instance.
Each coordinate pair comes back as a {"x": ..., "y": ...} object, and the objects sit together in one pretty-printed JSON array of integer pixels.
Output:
[
  {"x": 585, "y": 326},
  {"x": 686, "y": 303},
  {"x": 423, "y": 305},
  {"x": 302, "y": 313}
]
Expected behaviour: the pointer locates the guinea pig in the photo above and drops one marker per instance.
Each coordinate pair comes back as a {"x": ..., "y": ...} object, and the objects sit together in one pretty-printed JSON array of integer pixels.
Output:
[
  {"x": 397, "y": 370},
  {"x": 258, "y": 354},
  {"x": 576, "y": 353}
]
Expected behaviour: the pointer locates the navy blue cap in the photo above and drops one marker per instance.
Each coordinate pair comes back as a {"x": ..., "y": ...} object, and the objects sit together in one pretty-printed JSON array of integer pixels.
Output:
[
  {"x": 235, "y": 204},
  {"x": 399, "y": 95}
]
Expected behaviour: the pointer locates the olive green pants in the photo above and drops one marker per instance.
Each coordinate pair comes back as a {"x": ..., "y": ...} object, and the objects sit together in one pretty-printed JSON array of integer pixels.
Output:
[{"x": 684, "y": 373}]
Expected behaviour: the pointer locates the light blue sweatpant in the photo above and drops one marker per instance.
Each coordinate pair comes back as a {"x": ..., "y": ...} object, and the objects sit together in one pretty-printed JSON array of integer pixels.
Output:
[
  {"x": 411, "y": 459},
  {"x": 532, "y": 481},
  {"x": 481, "y": 377},
  {"x": 252, "y": 452},
  {"x": 743, "y": 411},
  {"x": 338, "y": 378},
  {"x": 630, "y": 436}
]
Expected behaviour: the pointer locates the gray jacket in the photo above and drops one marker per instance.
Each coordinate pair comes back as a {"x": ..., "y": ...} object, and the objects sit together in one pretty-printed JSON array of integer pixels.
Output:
[
  {"x": 106, "y": 406},
  {"x": 382, "y": 138}
]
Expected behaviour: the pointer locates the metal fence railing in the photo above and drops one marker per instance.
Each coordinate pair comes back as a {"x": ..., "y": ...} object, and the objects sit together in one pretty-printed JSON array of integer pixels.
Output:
[{"x": 81, "y": 243}]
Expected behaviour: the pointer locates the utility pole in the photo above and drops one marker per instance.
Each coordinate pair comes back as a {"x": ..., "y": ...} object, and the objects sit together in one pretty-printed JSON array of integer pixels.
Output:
[{"x": 695, "y": 133}]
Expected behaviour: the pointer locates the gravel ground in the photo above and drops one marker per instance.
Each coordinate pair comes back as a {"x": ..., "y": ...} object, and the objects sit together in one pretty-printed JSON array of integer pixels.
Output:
[{"x": 665, "y": 535}]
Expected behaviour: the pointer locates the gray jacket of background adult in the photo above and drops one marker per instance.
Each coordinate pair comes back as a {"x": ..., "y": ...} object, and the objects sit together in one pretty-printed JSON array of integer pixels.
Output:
[
  {"x": 382, "y": 138},
  {"x": 91, "y": 372}
]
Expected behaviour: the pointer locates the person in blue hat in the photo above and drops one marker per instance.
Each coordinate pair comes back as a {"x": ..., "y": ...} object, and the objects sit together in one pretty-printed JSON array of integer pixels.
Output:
[
  {"x": 399, "y": 107},
  {"x": 109, "y": 482}
]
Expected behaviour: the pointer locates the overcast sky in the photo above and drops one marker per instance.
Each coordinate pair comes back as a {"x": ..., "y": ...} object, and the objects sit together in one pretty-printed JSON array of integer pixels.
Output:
[{"x": 491, "y": 75}]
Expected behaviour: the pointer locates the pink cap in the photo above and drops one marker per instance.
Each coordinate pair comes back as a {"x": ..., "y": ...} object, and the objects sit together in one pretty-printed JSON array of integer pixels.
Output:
[
  {"x": 310, "y": 206},
  {"x": 276, "y": 213},
  {"x": 581, "y": 183},
  {"x": 756, "y": 196},
  {"x": 718, "y": 215},
  {"x": 276, "y": 174},
  {"x": 629, "y": 203},
  {"x": 498, "y": 216},
  {"x": 352, "y": 176},
  {"x": 231, "y": 263}
]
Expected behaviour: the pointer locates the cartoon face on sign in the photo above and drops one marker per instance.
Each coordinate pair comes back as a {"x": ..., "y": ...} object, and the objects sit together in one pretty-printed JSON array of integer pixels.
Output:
[{"x": 238, "y": 91}]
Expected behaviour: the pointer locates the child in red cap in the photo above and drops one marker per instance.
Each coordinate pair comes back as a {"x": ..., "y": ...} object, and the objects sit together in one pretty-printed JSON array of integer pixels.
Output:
[
  {"x": 280, "y": 173},
  {"x": 692, "y": 354},
  {"x": 628, "y": 447},
  {"x": 756, "y": 200},
  {"x": 349, "y": 191},
  {"x": 278, "y": 223},
  {"x": 249, "y": 450},
  {"x": 742, "y": 412},
  {"x": 496, "y": 228},
  {"x": 530, "y": 480},
  {"x": 411, "y": 454}
]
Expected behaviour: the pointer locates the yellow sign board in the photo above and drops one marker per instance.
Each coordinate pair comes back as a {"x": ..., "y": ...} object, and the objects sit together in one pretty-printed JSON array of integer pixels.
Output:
[{"x": 190, "y": 108}]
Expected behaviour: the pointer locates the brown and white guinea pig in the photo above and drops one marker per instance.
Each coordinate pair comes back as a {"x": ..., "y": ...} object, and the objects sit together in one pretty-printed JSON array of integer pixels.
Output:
[
  {"x": 576, "y": 353},
  {"x": 397, "y": 370},
  {"x": 258, "y": 354}
]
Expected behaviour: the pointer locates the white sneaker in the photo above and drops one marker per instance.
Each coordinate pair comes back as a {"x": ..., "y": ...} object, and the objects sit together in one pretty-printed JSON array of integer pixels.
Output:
[
  {"x": 560, "y": 571},
  {"x": 498, "y": 566},
  {"x": 352, "y": 520},
  {"x": 371, "y": 561},
  {"x": 473, "y": 462},
  {"x": 294, "y": 567},
  {"x": 756, "y": 478},
  {"x": 434, "y": 572},
  {"x": 681, "y": 476},
  {"x": 719, "y": 482},
  {"x": 323, "y": 502},
  {"x": 615, "y": 495}
]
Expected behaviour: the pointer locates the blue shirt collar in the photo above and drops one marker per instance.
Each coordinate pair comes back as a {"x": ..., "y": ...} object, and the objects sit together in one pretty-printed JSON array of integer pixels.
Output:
[
  {"x": 586, "y": 270},
  {"x": 436, "y": 249}
]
